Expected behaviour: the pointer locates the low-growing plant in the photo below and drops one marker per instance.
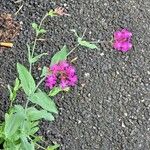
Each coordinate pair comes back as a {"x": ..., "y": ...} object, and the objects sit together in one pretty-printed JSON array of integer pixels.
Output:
[{"x": 19, "y": 129}]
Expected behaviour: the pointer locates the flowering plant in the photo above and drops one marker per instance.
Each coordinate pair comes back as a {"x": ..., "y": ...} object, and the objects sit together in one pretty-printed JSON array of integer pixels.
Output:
[
  {"x": 122, "y": 40},
  {"x": 18, "y": 131},
  {"x": 64, "y": 72}
]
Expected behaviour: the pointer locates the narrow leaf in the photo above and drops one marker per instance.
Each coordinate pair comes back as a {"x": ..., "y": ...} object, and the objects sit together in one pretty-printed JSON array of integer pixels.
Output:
[
  {"x": 18, "y": 109},
  {"x": 17, "y": 85},
  {"x": 27, "y": 81},
  {"x": 34, "y": 114},
  {"x": 13, "y": 91},
  {"x": 55, "y": 91},
  {"x": 10, "y": 92},
  {"x": 12, "y": 123},
  {"x": 29, "y": 52},
  {"x": 59, "y": 56},
  {"x": 86, "y": 44},
  {"x": 30, "y": 127},
  {"x": 33, "y": 60},
  {"x": 45, "y": 71},
  {"x": 11, "y": 146},
  {"x": 2, "y": 137},
  {"x": 34, "y": 130},
  {"x": 52, "y": 13},
  {"x": 35, "y": 123},
  {"x": 34, "y": 26},
  {"x": 25, "y": 145},
  {"x": 37, "y": 139},
  {"x": 42, "y": 31},
  {"x": 44, "y": 101},
  {"x": 53, "y": 147}
]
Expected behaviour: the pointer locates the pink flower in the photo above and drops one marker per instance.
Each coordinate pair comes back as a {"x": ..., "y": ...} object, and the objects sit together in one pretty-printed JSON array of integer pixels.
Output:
[
  {"x": 70, "y": 70},
  {"x": 63, "y": 65},
  {"x": 63, "y": 84},
  {"x": 50, "y": 81},
  {"x": 62, "y": 74},
  {"x": 60, "y": 11},
  {"x": 122, "y": 40},
  {"x": 55, "y": 68},
  {"x": 73, "y": 80}
]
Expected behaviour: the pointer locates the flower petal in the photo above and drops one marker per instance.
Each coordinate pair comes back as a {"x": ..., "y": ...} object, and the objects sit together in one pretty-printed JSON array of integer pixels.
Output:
[{"x": 126, "y": 46}]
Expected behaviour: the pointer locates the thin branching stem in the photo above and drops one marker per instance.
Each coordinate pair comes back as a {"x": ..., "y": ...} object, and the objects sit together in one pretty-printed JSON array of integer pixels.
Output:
[
  {"x": 39, "y": 146},
  {"x": 43, "y": 20},
  {"x": 77, "y": 44},
  {"x": 84, "y": 33},
  {"x": 39, "y": 83},
  {"x": 35, "y": 42},
  {"x": 73, "y": 49},
  {"x": 32, "y": 53}
]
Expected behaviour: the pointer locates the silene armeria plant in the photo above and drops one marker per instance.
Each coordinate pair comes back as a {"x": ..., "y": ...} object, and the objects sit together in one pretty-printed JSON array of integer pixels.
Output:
[{"x": 19, "y": 129}]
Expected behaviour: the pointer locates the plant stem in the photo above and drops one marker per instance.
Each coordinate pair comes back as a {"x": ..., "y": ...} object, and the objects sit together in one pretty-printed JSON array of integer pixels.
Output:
[
  {"x": 25, "y": 111},
  {"x": 77, "y": 44},
  {"x": 32, "y": 53},
  {"x": 35, "y": 41},
  {"x": 73, "y": 50},
  {"x": 11, "y": 104},
  {"x": 40, "y": 139},
  {"x": 39, "y": 146},
  {"x": 26, "y": 106},
  {"x": 39, "y": 83},
  {"x": 43, "y": 20},
  {"x": 84, "y": 33}
]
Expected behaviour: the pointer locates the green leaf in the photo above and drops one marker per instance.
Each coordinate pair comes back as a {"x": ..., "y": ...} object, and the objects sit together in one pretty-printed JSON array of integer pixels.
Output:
[
  {"x": 37, "y": 139},
  {"x": 59, "y": 56},
  {"x": 52, "y": 13},
  {"x": 34, "y": 130},
  {"x": 34, "y": 114},
  {"x": 45, "y": 71},
  {"x": 55, "y": 91},
  {"x": 11, "y": 146},
  {"x": 17, "y": 135},
  {"x": 25, "y": 145},
  {"x": 37, "y": 29},
  {"x": 86, "y": 44},
  {"x": 40, "y": 98},
  {"x": 12, "y": 123},
  {"x": 29, "y": 52},
  {"x": 27, "y": 81},
  {"x": 17, "y": 85},
  {"x": 41, "y": 31},
  {"x": 53, "y": 147},
  {"x": 33, "y": 60},
  {"x": 2, "y": 136},
  {"x": 30, "y": 127},
  {"x": 13, "y": 92},
  {"x": 34, "y": 124},
  {"x": 18, "y": 109},
  {"x": 34, "y": 26},
  {"x": 10, "y": 92}
]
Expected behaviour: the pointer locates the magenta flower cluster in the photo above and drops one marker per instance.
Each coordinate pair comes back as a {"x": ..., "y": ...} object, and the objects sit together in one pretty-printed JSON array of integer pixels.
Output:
[
  {"x": 62, "y": 74},
  {"x": 122, "y": 40}
]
